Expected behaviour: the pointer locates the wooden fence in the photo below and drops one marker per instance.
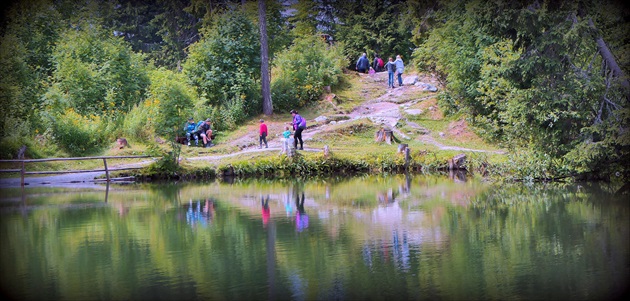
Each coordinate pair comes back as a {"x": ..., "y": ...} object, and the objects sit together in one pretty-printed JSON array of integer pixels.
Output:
[{"x": 23, "y": 171}]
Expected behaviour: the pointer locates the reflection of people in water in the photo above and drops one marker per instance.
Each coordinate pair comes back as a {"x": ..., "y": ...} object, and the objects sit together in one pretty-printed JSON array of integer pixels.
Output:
[
  {"x": 196, "y": 215},
  {"x": 266, "y": 213},
  {"x": 301, "y": 218}
]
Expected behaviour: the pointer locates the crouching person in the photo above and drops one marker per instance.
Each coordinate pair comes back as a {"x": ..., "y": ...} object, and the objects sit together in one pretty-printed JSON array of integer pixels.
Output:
[{"x": 205, "y": 132}]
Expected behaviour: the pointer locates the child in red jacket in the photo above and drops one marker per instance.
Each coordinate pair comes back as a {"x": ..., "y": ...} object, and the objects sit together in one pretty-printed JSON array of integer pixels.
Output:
[{"x": 263, "y": 133}]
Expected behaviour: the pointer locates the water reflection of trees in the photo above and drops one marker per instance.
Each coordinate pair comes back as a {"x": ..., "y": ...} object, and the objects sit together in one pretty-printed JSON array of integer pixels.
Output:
[{"x": 430, "y": 232}]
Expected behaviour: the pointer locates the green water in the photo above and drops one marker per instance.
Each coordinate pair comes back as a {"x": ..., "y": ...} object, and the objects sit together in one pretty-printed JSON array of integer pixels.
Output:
[{"x": 368, "y": 238}]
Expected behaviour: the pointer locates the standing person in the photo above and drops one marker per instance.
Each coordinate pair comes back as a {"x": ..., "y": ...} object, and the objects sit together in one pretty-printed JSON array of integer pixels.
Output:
[
  {"x": 263, "y": 134},
  {"x": 204, "y": 130},
  {"x": 299, "y": 124},
  {"x": 375, "y": 63},
  {"x": 363, "y": 64},
  {"x": 287, "y": 139},
  {"x": 391, "y": 69},
  {"x": 189, "y": 128},
  {"x": 400, "y": 68}
]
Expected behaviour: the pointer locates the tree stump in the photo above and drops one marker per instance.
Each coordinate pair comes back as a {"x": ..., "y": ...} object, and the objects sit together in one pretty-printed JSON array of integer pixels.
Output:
[
  {"x": 384, "y": 135},
  {"x": 402, "y": 148},
  {"x": 457, "y": 162},
  {"x": 121, "y": 143}
]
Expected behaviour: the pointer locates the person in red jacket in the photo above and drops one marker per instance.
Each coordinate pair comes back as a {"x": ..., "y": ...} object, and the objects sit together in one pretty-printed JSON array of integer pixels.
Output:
[{"x": 263, "y": 133}]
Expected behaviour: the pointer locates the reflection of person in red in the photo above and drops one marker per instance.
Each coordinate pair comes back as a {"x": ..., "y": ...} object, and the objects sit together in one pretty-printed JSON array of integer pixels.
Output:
[{"x": 266, "y": 213}]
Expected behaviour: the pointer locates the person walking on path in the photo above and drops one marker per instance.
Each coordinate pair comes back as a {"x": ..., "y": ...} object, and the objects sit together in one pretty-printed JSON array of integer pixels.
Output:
[
  {"x": 391, "y": 69},
  {"x": 299, "y": 124},
  {"x": 363, "y": 64},
  {"x": 400, "y": 68},
  {"x": 263, "y": 134},
  {"x": 189, "y": 129}
]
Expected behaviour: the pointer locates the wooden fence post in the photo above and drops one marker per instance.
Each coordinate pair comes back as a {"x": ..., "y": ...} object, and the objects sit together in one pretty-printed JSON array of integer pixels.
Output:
[
  {"x": 22, "y": 172},
  {"x": 407, "y": 158},
  {"x": 106, "y": 170}
]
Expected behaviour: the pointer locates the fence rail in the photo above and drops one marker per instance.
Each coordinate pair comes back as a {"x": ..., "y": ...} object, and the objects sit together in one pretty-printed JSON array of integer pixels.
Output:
[{"x": 23, "y": 171}]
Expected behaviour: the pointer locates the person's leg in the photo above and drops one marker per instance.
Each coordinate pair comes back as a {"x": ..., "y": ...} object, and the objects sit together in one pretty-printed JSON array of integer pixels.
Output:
[
  {"x": 298, "y": 136},
  {"x": 204, "y": 139},
  {"x": 189, "y": 138},
  {"x": 400, "y": 79},
  {"x": 260, "y": 141},
  {"x": 390, "y": 79},
  {"x": 264, "y": 138},
  {"x": 209, "y": 137}
]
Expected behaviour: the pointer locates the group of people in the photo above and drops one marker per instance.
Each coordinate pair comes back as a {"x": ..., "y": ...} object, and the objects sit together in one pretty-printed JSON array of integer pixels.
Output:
[
  {"x": 201, "y": 130},
  {"x": 393, "y": 67},
  {"x": 298, "y": 124}
]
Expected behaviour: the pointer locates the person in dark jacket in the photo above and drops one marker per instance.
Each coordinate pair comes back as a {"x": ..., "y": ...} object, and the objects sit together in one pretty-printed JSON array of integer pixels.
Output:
[
  {"x": 391, "y": 69},
  {"x": 363, "y": 64}
]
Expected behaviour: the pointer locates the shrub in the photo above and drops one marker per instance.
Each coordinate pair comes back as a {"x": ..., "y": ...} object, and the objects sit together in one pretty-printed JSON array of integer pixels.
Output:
[
  {"x": 77, "y": 134},
  {"x": 303, "y": 71}
]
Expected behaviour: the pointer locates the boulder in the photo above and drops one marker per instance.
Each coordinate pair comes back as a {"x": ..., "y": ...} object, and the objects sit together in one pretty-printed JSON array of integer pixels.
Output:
[
  {"x": 413, "y": 112},
  {"x": 410, "y": 80},
  {"x": 426, "y": 87}
]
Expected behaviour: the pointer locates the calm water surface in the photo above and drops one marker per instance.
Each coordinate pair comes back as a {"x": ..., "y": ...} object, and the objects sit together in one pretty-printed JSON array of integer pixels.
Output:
[{"x": 368, "y": 238}]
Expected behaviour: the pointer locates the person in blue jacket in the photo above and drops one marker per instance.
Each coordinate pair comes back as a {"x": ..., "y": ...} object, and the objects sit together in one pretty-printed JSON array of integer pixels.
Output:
[
  {"x": 189, "y": 128},
  {"x": 400, "y": 68},
  {"x": 363, "y": 64}
]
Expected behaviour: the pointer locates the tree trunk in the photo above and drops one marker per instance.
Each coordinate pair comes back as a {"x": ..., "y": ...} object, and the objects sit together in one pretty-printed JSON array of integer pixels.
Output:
[
  {"x": 609, "y": 58},
  {"x": 264, "y": 58},
  {"x": 384, "y": 135}
]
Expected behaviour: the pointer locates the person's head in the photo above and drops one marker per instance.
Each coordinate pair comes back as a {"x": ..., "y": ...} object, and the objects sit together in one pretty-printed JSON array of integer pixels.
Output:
[
  {"x": 261, "y": 121},
  {"x": 191, "y": 120},
  {"x": 391, "y": 59},
  {"x": 364, "y": 54},
  {"x": 286, "y": 128},
  {"x": 293, "y": 112},
  {"x": 208, "y": 121},
  {"x": 398, "y": 56}
]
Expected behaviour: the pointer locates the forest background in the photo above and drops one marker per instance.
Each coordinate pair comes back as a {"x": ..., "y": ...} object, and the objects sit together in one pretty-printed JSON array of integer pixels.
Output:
[{"x": 548, "y": 77}]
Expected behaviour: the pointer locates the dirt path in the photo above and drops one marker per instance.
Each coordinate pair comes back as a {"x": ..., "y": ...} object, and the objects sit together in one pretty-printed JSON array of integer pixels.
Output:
[{"x": 384, "y": 110}]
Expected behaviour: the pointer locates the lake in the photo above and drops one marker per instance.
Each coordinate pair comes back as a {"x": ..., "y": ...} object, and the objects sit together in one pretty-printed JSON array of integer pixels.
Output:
[{"x": 395, "y": 237}]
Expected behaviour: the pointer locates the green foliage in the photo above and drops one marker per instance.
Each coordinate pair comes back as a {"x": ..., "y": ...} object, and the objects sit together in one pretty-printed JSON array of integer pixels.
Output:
[
  {"x": 374, "y": 27},
  {"x": 531, "y": 76},
  {"x": 302, "y": 72},
  {"x": 96, "y": 73},
  {"x": 77, "y": 134},
  {"x": 32, "y": 29},
  {"x": 224, "y": 67}
]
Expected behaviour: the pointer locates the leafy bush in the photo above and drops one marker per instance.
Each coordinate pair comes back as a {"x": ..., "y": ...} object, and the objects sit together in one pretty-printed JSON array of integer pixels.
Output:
[
  {"x": 77, "y": 134},
  {"x": 303, "y": 70},
  {"x": 224, "y": 68}
]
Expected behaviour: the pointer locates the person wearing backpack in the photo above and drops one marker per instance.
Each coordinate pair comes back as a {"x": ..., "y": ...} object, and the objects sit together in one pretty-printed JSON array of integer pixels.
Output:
[
  {"x": 299, "y": 124},
  {"x": 375, "y": 63},
  {"x": 381, "y": 64},
  {"x": 205, "y": 132}
]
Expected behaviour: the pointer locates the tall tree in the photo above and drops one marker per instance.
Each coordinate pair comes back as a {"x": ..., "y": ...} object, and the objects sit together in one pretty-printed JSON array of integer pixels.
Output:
[{"x": 264, "y": 59}]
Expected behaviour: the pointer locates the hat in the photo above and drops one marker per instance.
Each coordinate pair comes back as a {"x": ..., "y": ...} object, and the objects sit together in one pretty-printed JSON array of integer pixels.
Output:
[
  {"x": 191, "y": 118},
  {"x": 208, "y": 120},
  {"x": 262, "y": 120},
  {"x": 293, "y": 111}
]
